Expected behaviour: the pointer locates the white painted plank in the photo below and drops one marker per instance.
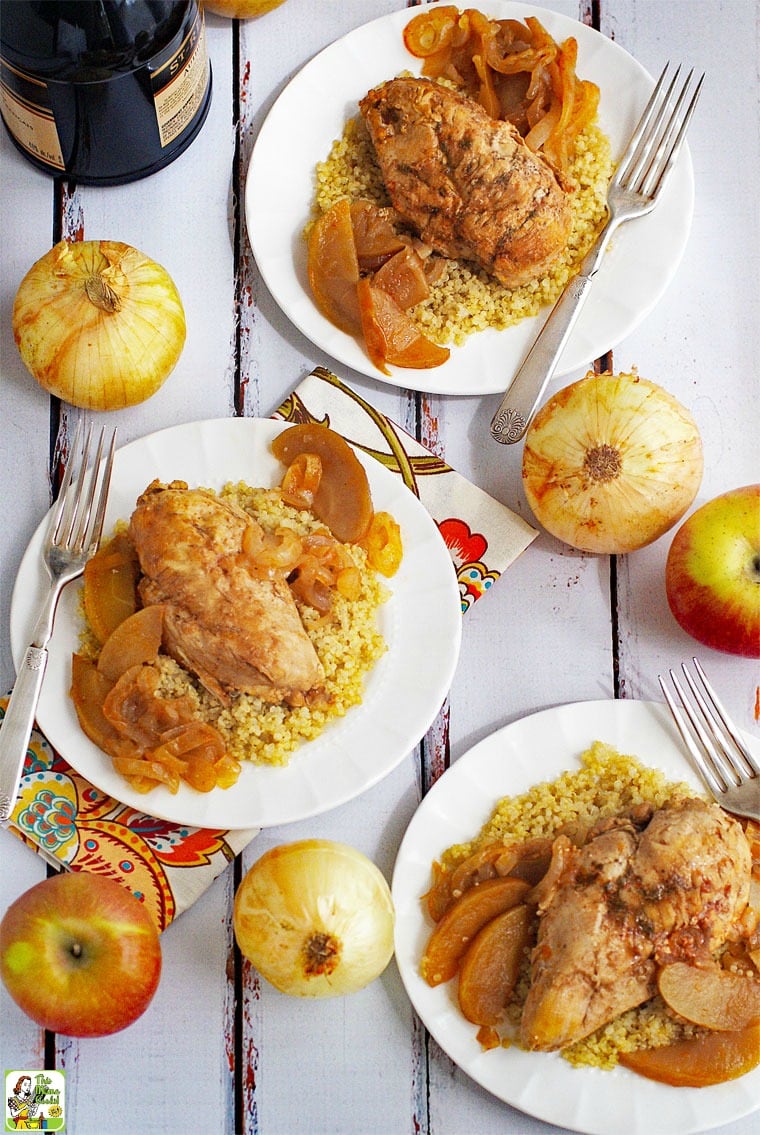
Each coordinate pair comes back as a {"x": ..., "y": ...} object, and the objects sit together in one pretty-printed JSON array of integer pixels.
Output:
[
  {"x": 180, "y": 217},
  {"x": 25, "y": 199},
  {"x": 700, "y": 342},
  {"x": 542, "y": 636}
]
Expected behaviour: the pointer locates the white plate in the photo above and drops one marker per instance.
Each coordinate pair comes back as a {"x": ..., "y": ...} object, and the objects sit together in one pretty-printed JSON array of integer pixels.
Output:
[
  {"x": 529, "y": 751},
  {"x": 311, "y": 112},
  {"x": 421, "y": 623}
]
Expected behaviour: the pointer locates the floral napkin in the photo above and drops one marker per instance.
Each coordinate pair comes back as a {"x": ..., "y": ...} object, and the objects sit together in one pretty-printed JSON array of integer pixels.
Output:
[
  {"x": 482, "y": 535},
  {"x": 73, "y": 825}
]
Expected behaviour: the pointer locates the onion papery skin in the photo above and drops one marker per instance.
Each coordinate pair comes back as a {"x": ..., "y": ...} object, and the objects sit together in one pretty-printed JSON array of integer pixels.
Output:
[
  {"x": 302, "y": 896},
  {"x": 99, "y": 324},
  {"x": 611, "y": 463}
]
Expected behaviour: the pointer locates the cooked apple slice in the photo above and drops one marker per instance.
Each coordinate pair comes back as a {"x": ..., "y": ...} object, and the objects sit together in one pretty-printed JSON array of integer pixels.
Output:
[
  {"x": 490, "y": 967},
  {"x": 403, "y": 278},
  {"x": 343, "y": 499},
  {"x": 452, "y": 935},
  {"x": 110, "y": 586},
  {"x": 528, "y": 860},
  {"x": 134, "y": 641},
  {"x": 439, "y": 898},
  {"x": 709, "y": 1059},
  {"x": 333, "y": 268},
  {"x": 710, "y": 996},
  {"x": 391, "y": 335},
  {"x": 450, "y": 883},
  {"x": 375, "y": 237},
  {"x": 88, "y": 692}
]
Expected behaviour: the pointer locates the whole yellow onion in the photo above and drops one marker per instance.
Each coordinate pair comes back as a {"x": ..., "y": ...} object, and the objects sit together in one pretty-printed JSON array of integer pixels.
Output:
[
  {"x": 99, "y": 324},
  {"x": 611, "y": 462},
  {"x": 241, "y": 9},
  {"x": 315, "y": 917}
]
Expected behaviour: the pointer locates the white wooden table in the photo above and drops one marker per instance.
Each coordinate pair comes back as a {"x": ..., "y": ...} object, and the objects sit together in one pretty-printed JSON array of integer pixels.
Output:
[{"x": 217, "y": 1051}]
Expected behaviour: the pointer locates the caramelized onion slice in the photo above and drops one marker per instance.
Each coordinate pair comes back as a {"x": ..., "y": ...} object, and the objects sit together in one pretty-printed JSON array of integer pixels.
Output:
[
  {"x": 431, "y": 32},
  {"x": 89, "y": 689},
  {"x": 301, "y": 481},
  {"x": 144, "y": 774},
  {"x": 383, "y": 544},
  {"x": 485, "y": 57}
]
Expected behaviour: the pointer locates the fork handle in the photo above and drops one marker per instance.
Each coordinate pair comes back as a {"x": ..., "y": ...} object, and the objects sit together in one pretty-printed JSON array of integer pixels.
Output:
[
  {"x": 519, "y": 404},
  {"x": 17, "y": 727}
]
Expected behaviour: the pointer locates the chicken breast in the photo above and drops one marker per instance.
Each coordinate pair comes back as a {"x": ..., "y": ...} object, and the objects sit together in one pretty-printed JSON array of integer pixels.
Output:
[
  {"x": 466, "y": 182},
  {"x": 634, "y": 897},
  {"x": 224, "y": 621}
]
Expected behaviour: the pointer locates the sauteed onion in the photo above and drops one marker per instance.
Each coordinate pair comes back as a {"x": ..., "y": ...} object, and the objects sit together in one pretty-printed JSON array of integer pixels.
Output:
[{"x": 515, "y": 70}]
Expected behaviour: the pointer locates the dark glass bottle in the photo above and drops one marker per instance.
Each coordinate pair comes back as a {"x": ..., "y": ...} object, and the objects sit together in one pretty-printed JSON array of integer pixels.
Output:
[{"x": 103, "y": 91}]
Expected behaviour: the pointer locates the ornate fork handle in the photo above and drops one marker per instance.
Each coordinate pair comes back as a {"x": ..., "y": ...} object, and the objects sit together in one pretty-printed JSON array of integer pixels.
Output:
[
  {"x": 518, "y": 405},
  {"x": 644, "y": 166},
  {"x": 73, "y": 535},
  {"x": 19, "y": 721},
  {"x": 22, "y": 706}
]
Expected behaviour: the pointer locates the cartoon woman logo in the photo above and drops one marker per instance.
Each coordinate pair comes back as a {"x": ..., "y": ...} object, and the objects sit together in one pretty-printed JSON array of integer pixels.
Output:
[{"x": 23, "y": 1106}]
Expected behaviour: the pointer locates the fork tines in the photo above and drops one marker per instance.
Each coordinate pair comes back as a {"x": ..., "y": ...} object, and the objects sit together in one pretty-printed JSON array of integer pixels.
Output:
[
  {"x": 708, "y": 733},
  {"x": 71, "y": 525},
  {"x": 656, "y": 141}
]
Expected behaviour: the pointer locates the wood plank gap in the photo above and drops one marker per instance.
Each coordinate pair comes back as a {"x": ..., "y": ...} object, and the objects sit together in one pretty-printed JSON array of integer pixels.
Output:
[
  {"x": 434, "y": 759},
  {"x": 240, "y": 380},
  {"x": 615, "y": 627},
  {"x": 237, "y": 981},
  {"x": 54, "y": 470},
  {"x": 605, "y": 364}
]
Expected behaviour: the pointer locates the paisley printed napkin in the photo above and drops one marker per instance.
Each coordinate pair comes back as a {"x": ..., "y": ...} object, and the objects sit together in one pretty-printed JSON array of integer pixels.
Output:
[
  {"x": 73, "y": 825},
  {"x": 482, "y": 535}
]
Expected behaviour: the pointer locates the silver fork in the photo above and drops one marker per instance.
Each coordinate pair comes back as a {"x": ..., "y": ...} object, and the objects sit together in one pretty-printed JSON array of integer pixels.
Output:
[
  {"x": 73, "y": 536},
  {"x": 651, "y": 153},
  {"x": 722, "y": 759}
]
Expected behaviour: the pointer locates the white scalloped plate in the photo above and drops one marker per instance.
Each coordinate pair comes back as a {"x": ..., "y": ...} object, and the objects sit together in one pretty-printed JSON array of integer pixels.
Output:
[
  {"x": 534, "y": 749},
  {"x": 311, "y": 113},
  {"x": 421, "y": 623}
]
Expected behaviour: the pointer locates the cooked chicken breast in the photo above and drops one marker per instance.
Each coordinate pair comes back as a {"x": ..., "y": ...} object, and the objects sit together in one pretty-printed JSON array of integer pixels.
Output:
[
  {"x": 233, "y": 628},
  {"x": 467, "y": 183},
  {"x": 629, "y": 900}
]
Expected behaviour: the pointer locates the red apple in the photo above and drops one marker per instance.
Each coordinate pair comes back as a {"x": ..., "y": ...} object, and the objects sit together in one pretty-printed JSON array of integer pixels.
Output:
[
  {"x": 712, "y": 573},
  {"x": 80, "y": 955}
]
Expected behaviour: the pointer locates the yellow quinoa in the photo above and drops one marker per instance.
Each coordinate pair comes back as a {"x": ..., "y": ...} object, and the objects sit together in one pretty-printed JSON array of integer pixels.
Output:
[
  {"x": 466, "y": 299},
  {"x": 347, "y": 641},
  {"x": 606, "y": 784}
]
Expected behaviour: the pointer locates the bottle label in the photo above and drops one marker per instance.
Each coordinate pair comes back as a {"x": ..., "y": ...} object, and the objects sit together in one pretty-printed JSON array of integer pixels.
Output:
[
  {"x": 179, "y": 85},
  {"x": 26, "y": 109}
]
